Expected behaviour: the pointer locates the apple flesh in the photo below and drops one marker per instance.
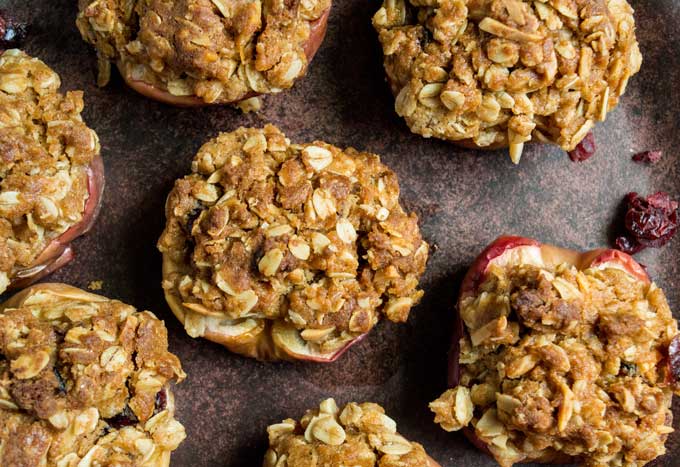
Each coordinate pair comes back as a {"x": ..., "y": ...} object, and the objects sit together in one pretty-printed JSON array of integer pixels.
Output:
[
  {"x": 511, "y": 250},
  {"x": 316, "y": 35},
  {"x": 58, "y": 251},
  {"x": 255, "y": 338}
]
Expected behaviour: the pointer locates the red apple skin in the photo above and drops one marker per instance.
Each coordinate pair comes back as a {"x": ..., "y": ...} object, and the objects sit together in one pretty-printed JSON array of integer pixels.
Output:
[
  {"x": 59, "y": 252},
  {"x": 316, "y": 37},
  {"x": 65, "y": 257},
  {"x": 333, "y": 357},
  {"x": 551, "y": 255}
]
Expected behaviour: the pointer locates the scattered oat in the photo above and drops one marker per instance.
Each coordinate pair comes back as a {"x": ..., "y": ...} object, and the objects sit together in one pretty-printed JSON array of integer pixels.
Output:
[{"x": 95, "y": 285}]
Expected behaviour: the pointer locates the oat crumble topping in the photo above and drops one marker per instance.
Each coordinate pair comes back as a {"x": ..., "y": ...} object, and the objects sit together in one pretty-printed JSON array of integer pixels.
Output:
[
  {"x": 359, "y": 435},
  {"x": 218, "y": 50},
  {"x": 494, "y": 73},
  {"x": 45, "y": 152},
  {"x": 83, "y": 382},
  {"x": 564, "y": 362},
  {"x": 278, "y": 238}
]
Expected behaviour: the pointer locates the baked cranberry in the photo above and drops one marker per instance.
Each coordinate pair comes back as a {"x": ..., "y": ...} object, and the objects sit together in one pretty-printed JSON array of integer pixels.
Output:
[
  {"x": 585, "y": 149},
  {"x": 123, "y": 419},
  {"x": 161, "y": 401},
  {"x": 648, "y": 157},
  {"x": 12, "y": 33},
  {"x": 674, "y": 358},
  {"x": 649, "y": 222}
]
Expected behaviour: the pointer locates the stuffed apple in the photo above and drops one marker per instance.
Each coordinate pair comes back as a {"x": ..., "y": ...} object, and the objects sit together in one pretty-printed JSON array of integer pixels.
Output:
[
  {"x": 51, "y": 171},
  {"x": 561, "y": 357},
  {"x": 199, "y": 52}
]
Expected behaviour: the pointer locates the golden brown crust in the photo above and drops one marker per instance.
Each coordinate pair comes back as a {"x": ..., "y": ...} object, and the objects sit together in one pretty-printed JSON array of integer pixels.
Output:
[
  {"x": 46, "y": 155},
  {"x": 84, "y": 381},
  {"x": 276, "y": 249},
  {"x": 197, "y": 52},
  {"x": 495, "y": 73},
  {"x": 561, "y": 364},
  {"x": 360, "y": 435}
]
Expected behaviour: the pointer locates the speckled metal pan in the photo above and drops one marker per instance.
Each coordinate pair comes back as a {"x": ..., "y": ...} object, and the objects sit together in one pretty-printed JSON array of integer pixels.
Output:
[{"x": 465, "y": 199}]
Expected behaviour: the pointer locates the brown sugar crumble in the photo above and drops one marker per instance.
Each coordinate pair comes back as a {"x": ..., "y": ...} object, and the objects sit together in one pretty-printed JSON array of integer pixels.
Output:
[
  {"x": 84, "y": 382},
  {"x": 306, "y": 240}
]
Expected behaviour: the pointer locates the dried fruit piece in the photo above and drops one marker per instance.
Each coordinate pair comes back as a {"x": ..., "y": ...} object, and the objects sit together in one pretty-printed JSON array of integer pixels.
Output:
[
  {"x": 649, "y": 157},
  {"x": 12, "y": 32},
  {"x": 357, "y": 434},
  {"x": 649, "y": 222},
  {"x": 585, "y": 149}
]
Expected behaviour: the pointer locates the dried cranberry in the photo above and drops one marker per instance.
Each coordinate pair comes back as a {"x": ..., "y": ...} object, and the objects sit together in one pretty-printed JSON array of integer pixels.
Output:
[
  {"x": 12, "y": 33},
  {"x": 649, "y": 222},
  {"x": 648, "y": 157},
  {"x": 585, "y": 149},
  {"x": 161, "y": 401},
  {"x": 674, "y": 358},
  {"x": 60, "y": 380},
  {"x": 123, "y": 419}
]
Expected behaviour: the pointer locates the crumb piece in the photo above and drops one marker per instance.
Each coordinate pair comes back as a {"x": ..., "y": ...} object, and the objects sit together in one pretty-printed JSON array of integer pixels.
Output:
[{"x": 648, "y": 157}]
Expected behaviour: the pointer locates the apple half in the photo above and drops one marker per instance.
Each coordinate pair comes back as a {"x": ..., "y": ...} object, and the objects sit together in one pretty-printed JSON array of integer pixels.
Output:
[
  {"x": 317, "y": 33},
  {"x": 58, "y": 251},
  {"x": 511, "y": 250},
  {"x": 42, "y": 293},
  {"x": 259, "y": 338}
]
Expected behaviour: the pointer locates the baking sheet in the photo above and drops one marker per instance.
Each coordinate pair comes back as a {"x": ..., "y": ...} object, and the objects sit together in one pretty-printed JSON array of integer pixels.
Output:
[{"x": 464, "y": 198}]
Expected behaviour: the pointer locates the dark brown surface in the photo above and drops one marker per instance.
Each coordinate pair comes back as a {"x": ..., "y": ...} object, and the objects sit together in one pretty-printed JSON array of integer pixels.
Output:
[{"x": 465, "y": 199}]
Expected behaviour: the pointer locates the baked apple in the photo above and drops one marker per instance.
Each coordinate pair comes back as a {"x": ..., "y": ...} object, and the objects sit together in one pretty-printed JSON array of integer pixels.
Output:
[
  {"x": 199, "y": 52},
  {"x": 288, "y": 251},
  {"x": 490, "y": 74},
  {"x": 51, "y": 171},
  {"x": 84, "y": 380},
  {"x": 359, "y": 435},
  {"x": 560, "y": 356}
]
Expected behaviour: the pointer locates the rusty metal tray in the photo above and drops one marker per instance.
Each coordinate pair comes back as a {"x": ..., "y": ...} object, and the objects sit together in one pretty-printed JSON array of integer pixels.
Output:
[{"x": 464, "y": 198}]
